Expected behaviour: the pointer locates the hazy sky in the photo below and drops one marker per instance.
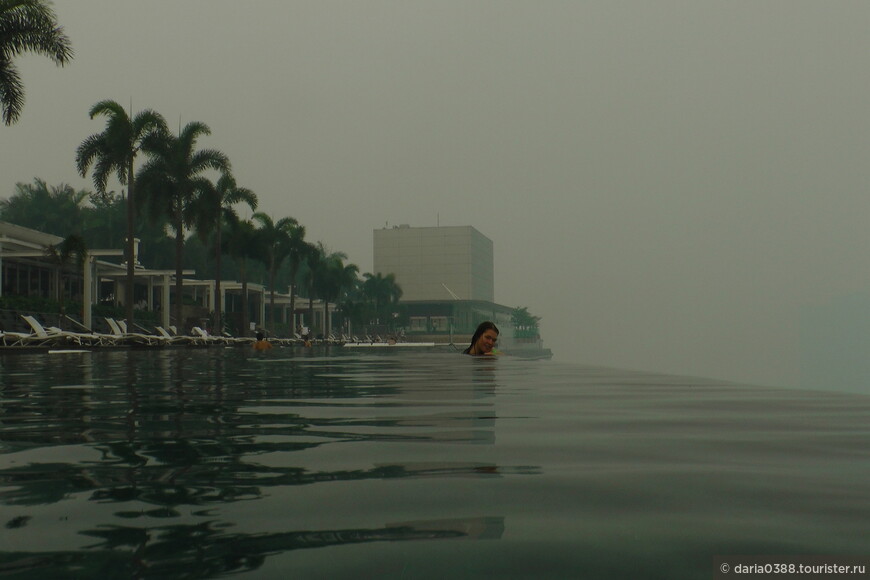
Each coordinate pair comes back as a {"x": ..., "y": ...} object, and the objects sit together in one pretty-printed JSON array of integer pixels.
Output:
[{"x": 669, "y": 184}]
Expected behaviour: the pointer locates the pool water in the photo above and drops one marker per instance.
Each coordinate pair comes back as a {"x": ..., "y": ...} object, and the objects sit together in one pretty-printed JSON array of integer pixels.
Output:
[{"x": 292, "y": 463}]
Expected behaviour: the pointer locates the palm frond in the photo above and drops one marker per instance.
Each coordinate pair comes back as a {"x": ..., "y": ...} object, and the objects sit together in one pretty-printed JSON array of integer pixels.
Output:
[
  {"x": 26, "y": 26},
  {"x": 108, "y": 108},
  {"x": 11, "y": 91}
]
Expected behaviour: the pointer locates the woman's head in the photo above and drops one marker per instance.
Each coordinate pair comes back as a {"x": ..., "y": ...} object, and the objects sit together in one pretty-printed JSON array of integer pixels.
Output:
[{"x": 484, "y": 338}]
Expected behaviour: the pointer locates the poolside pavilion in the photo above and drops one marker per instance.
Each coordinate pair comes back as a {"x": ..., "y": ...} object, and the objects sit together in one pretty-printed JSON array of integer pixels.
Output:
[{"x": 26, "y": 270}]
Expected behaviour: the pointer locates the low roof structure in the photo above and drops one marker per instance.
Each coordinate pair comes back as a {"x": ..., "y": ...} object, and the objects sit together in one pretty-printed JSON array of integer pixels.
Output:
[{"x": 24, "y": 248}]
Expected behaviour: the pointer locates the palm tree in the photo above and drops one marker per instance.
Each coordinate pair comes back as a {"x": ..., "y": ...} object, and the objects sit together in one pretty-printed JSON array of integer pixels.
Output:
[
  {"x": 216, "y": 208},
  {"x": 173, "y": 180},
  {"x": 336, "y": 278},
  {"x": 354, "y": 307},
  {"x": 73, "y": 246},
  {"x": 241, "y": 242},
  {"x": 26, "y": 26},
  {"x": 325, "y": 276},
  {"x": 274, "y": 238},
  {"x": 524, "y": 322},
  {"x": 57, "y": 210},
  {"x": 315, "y": 259},
  {"x": 104, "y": 224},
  {"x": 105, "y": 220},
  {"x": 296, "y": 251},
  {"x": 382, "y": 291},
  {"x": 113, "y": 152}
]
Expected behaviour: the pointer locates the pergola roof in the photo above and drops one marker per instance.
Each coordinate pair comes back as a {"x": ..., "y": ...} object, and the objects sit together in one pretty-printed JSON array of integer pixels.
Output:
[{"x": 15, "y": 238}]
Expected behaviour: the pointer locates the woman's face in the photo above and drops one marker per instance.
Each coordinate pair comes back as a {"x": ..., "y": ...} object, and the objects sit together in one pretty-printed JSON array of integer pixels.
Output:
[{"x": 486, "y": 342}]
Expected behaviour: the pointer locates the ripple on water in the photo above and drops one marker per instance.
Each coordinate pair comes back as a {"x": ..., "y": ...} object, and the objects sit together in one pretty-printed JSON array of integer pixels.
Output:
[{"x": 200, "y": 462}]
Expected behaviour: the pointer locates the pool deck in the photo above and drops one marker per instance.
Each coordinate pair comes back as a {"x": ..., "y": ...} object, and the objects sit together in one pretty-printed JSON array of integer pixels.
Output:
[{"x": 81, "y": 342}]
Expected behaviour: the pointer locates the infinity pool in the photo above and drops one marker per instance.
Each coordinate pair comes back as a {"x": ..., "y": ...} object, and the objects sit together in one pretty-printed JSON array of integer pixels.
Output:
[{"x": 202, "y": 463}]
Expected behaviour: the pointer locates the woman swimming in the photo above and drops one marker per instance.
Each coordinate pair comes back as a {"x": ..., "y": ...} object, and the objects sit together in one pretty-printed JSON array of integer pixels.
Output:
[{"x": 484, "y": 339}]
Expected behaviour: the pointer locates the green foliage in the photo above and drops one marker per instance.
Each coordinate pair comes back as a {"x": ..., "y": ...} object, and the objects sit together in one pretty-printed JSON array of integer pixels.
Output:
[
  {"x": 275, "y": 241},
  {"x": 57, "y": 210},
  {"x": 98, "y": 218},
  {"x": 525, "y": 324},
  {"x": 172, "y": 181},
  {"x": 383, "y": 295},
  {"x": 73, "y": 246},
  {"x": 29, "y": 303},
  {"x": 26, "y": 26},
  {"x": 173, "y": 186},
  {"x": 215, "y": 205},
  {"x": 113, "y": 152},
  {"x": 374, "y": 303}
]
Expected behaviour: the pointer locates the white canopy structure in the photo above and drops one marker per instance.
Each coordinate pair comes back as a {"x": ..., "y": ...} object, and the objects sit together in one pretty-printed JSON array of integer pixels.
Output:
[{"x": 25, "y": 269}]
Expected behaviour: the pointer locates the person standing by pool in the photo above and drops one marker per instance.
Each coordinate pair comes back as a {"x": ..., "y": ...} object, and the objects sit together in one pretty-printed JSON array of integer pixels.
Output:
[
  {"x": 262, "y": 343},
  {"x": 483, "y": 341}
]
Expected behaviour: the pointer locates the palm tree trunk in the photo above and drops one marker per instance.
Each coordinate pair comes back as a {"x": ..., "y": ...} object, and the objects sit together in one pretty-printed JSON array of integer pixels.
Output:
[
  {"x": 217, "y": 282},
  {"x": 60, "y": 291},
  {"x": 244, "y": 272},
  {"x": 131, "y": 228},
  {"x": 179, "y": 266},
  {"x": 272, "y": 297},
  {"x": 293, "y": 306},
  {"x": 311, "y": 306}
]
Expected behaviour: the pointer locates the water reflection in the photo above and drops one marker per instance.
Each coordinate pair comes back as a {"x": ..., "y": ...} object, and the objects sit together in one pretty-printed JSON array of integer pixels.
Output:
[
  {"x": 198, "y": 463},
  {"x": 206, "y": 550},
  {"x": 186, "y": 434}
]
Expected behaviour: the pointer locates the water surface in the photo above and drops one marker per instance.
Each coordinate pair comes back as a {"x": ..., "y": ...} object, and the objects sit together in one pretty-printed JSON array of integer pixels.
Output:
[{"x": 201, "y": 463}]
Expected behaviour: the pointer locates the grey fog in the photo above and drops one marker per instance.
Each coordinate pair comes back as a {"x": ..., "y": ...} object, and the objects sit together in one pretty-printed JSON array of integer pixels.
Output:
[{"x": 673, "y": 186}]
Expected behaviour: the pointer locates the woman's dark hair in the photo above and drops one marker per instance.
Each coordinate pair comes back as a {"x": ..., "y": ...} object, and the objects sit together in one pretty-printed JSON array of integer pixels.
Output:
[
  {"x": 260, "y": 335},
  {"x": 481, "y": 328}
]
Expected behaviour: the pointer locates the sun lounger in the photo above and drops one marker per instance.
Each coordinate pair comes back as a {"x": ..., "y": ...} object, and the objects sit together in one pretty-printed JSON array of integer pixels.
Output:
[
  {"x": 191, "y": 339},
  {"x": 154, "y": 339},
  {"x": 54, "y": 336},
  {"x": 172, "y": 338},
  {"x": 203, "y": 335},
  {"x": 15, "y": 338},
  {"x": 119, "y": 329}
]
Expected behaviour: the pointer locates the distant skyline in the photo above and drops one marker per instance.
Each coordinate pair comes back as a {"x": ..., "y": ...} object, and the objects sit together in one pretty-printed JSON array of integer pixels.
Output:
[{"x": 669, "y": 184}]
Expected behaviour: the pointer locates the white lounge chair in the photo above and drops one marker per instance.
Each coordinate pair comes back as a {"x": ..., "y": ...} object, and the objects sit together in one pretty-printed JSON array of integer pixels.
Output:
[
  {"x": 203, "y": 336},
  {"x": 119, "y": 329},
  {"x": 10, "y": 338},
  {"x": 53, "y": 335},
  {"x": 172, "y": 338},
  {"x": 154, "y": 339},
  {"x": 167, "y": 338},
  {"x": 200, "y": 336}
]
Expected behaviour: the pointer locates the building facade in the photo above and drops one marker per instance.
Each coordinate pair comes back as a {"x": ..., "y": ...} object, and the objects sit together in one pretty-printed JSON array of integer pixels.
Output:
[
  {"x": 447, "y": 278},
  {"x": 436, "y": 263}
]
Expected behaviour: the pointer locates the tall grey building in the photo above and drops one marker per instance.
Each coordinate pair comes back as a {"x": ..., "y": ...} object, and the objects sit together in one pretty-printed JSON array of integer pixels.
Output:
[{"x": 436, "y": 263}]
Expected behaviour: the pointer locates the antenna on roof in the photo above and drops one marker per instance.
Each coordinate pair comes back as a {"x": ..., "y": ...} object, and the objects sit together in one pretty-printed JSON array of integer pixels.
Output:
[{"x": 452, "y": 293}]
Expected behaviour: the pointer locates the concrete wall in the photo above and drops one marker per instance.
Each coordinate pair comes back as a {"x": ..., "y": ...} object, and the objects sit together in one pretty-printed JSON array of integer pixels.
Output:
[{"x": 425, "y": 260}]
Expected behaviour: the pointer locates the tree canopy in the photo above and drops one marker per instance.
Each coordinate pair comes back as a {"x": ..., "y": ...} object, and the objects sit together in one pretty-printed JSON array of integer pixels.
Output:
[
  {"x": 191, "y": 192},
  {"x": 26, "y": 26},
  {"x": 114, "y": 151}
]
